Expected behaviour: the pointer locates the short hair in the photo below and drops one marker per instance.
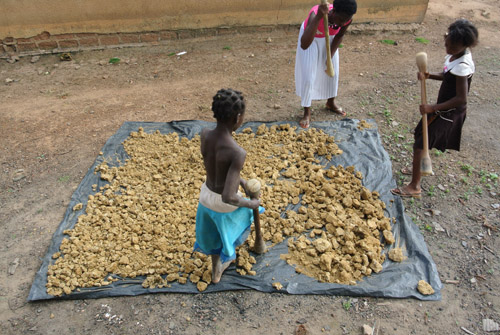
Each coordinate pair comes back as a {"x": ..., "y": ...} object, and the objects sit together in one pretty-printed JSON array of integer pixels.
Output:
[
  {"x": 463, "y": 32},
  {"x": 227, "y": 103},
  {"x": 346, "y": 7}
]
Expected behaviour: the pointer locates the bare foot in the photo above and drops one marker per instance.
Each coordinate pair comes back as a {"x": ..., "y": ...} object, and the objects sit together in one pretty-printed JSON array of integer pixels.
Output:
[
  {"x": 218, "y": 268},
  {"x": 305, "y": 121}
]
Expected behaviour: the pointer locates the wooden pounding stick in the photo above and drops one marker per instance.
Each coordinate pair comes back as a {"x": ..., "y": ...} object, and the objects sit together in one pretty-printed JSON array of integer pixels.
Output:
[
  {"x": 329, "y": 66},
  {"x": 259, "y": 245},
  {"x": 425, "y": 164}
]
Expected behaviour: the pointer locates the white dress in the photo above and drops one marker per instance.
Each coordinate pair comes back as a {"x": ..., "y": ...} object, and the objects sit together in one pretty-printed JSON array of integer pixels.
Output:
[{"x": 311, "y": 80}]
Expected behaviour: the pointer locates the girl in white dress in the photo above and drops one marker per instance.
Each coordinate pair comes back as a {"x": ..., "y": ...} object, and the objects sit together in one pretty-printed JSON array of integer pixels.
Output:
[{"x": 311, "y": 80}]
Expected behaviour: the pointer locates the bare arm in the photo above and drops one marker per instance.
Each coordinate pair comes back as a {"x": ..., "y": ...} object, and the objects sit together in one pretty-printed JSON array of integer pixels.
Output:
[
  {"x": 243, "y": 184},
  {"x": 312, "y": 26},
  {"x": 233, "y": 181},
  {"x": 458, "y": 100},
  {"x": 427, "y": 75},
  {"x": 338, "y": 39}
]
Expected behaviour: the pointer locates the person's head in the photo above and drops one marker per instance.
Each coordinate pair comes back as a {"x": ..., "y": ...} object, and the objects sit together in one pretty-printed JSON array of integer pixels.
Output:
[
  {"x": 342, "y": 12},
  {"x": 461, "y": 35},
  {"x": 229, "y": 107}
]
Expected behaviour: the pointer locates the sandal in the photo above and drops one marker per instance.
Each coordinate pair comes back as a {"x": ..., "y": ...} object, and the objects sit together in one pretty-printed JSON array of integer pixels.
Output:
[
  {"x": 338, "y": 110},
  {"x": 407, "y": 171},
  {"x": 403, "y": 194}
]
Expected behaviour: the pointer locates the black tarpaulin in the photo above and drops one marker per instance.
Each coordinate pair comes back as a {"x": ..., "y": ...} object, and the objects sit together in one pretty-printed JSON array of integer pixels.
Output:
[{"x": 361, "y": 148}]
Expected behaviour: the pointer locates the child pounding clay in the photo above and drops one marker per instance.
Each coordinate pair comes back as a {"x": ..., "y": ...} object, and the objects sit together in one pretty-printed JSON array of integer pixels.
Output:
[
  {"x": 223, "y": 217},
  {"x": 311, "y": 80},
  {"x": 447, "y": 116}
]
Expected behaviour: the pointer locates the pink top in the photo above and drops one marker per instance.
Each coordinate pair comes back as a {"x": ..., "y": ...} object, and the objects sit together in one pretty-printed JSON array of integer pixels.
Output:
[{"x": 321, "y": 28}]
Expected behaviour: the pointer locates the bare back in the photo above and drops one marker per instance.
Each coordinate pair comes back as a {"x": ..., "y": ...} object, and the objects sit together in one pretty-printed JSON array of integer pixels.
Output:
[{"x": 223, "y": 159}]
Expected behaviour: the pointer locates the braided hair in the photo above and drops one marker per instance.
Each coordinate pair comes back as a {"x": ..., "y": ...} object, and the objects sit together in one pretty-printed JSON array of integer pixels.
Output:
[
  {"x": 346, "y": 7},
  {"x": 463, "y": 32},
  {"x": 227, "y": 103}
]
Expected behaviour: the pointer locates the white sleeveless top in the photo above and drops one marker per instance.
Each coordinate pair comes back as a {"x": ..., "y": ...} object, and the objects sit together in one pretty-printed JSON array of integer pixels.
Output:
[{"x": 463, "y": 66}]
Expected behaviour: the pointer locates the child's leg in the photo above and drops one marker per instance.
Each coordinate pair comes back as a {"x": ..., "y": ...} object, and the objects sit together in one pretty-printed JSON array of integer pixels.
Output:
[
  {"x": 416, "y": 175},
  {"x": 413, "y": 188},
  {"x": 306, "y": 119},
  {"x": 218, "y": 268}
]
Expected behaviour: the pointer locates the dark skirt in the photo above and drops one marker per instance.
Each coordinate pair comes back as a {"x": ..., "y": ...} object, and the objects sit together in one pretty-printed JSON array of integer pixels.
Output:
[{"x": 444, "y": 130}]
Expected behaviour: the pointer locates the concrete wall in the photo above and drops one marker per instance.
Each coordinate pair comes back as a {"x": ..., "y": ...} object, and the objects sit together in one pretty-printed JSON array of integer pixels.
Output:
[{"x": 27, "y": 18}]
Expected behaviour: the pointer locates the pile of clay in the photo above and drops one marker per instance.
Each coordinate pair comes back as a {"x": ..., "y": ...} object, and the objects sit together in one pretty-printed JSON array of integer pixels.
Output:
[{"x": 142, "y": 223}]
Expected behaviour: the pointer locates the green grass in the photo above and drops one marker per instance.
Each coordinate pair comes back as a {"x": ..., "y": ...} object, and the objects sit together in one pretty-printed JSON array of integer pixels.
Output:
[
  {"x": 227, "y": 47},
  {"x": 347, "y": 305},
  {"x": 388, "y": 115},
  {"x": 430, "y": 193},
  {"x": 415, "y": 219},
  {"x": 479, "y": 190},
  {"x": 388, "y": 99},
  {"x": 437, "y": 153},
  {"x": 467, "y": 168},
  {"x": 422, "y": 40},
  {"x": 390, "y": 42},
  {"x": 171, "y": 54},
  {"x": 63, "y": 179},
  {"x": 114, "y": 60},
  {"x": 466, "y": 196}
]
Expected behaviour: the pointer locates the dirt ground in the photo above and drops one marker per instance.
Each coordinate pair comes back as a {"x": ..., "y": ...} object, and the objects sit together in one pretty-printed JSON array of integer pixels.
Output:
[{"x": 55, "y": 116}]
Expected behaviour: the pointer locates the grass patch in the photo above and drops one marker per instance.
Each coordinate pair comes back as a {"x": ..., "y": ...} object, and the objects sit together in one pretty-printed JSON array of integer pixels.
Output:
[
  {"x": 63, "y": 179},
  {"x": 431, "y": 190},
  {"x": 388, "y": 115},
  {"x": 467, "y": 168},
  {"x": 422, "y": 40},
  {"x": 347, "y": 305},
  {"x": 390, "y": 42},
  {"x": 437, "y": 153},
  {"x": 466, "y": 195},
  {"x": 479, "y": 190}
]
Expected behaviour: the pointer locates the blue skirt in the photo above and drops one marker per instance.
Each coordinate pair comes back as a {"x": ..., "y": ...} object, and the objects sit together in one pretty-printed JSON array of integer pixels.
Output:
[{"x": 220, "y": 233}]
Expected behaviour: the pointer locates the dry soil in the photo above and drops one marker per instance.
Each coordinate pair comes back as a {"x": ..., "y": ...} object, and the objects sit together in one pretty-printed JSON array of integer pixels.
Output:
[{"x": 56, "y": 115}]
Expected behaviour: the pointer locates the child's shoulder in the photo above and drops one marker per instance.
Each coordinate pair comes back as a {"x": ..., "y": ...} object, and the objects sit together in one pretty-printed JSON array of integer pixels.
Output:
[
  {"x": 236, "y": 152},
  {"x": 204, "y": 132},
  {"x": 463, "y": 66}
]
